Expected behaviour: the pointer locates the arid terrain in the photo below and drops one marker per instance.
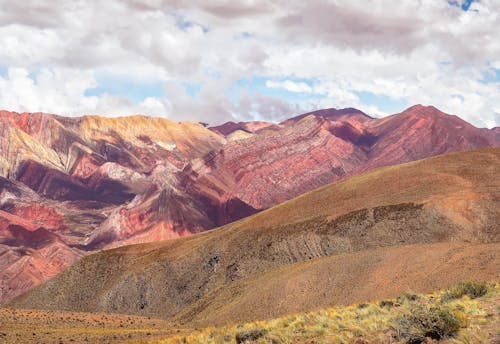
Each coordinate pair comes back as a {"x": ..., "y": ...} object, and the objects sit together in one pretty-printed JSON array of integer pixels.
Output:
[
  {"x": 470, "y": 312},
  {"x": 302, "y": 254},
  {"x": 34, "y": 326},
  {"x": 70, "y": 187}
]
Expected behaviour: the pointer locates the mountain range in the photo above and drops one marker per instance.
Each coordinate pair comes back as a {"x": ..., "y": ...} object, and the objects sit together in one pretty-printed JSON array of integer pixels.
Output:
[
  {"x": 72, "y": 186},
  {"x": 422, "y": 225}
]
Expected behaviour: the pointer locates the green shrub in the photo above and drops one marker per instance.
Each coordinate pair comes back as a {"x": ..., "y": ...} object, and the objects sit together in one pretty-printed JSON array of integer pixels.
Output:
[
  {"x": 250, "y": 335},
  {"x": 426, "y": 322},
  {"x": 471, "y": 289}
]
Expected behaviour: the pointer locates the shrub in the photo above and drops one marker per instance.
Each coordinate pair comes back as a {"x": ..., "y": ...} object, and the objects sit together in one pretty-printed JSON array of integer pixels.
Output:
[
  {"x": 386, "y": 303},
  {"x": 407, "y": 297},
  {"x": 250, "y": 335},
  {"x": 426, "y": 322},
  {"x": 471, "y": 289}
]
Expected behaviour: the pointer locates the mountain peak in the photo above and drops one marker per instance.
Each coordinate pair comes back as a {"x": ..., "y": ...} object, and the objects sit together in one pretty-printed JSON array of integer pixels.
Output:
[
  {"x": 424, "y": 109},
  {"x": 333, "y": 114}
]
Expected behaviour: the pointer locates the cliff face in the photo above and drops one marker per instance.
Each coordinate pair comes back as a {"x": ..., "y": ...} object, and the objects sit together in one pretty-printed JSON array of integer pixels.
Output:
[{"x": 71, "y": 186}]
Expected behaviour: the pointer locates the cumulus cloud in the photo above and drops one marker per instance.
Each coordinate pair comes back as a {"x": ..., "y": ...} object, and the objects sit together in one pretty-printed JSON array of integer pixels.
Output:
[
  {"x": 425, "y": 51},
  {"x": 63, "y": 91}
]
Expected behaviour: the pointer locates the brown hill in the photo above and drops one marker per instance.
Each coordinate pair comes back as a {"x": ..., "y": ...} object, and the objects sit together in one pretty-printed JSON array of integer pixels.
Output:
[
  {"x": 376, "y": 322},
  {"x": 223, "y": 273}
]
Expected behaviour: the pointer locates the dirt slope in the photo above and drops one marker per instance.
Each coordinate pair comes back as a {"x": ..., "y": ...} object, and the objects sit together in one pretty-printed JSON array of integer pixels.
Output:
[
  {"x": 450, "y": 198},
  {"x": 345, "y": 279}
]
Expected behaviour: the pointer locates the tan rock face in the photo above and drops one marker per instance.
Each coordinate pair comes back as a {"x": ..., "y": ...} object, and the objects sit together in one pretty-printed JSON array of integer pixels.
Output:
[{"x": 91, "y": 182}]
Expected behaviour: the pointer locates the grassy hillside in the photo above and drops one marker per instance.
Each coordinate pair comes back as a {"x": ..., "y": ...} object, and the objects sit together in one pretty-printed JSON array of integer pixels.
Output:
[{"x": 461, "y": 314}]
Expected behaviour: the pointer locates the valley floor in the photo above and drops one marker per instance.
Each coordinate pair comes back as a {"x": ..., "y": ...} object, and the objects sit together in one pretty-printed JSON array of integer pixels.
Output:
[
  {"x": 37, "y": 326},
  {"x": 462, "y": 311}
]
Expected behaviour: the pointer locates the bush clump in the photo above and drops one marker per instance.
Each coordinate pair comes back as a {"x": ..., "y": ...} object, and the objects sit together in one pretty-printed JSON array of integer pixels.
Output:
[
  {"x": 408, "y": 297},
  {"x": 426, "y": 322},
  {"x": 471, "y": 289},
  {"x": 386, "y": 303},
  {"x": 250, "y": 335}
]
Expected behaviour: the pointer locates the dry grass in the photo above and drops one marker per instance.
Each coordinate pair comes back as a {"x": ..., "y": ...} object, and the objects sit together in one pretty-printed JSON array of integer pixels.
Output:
[{"x": 375, "y": 322}]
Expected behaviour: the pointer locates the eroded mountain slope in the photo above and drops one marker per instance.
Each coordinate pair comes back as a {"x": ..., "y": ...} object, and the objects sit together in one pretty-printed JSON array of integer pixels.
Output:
[
  {"x": 94, "y": 182},
  {"x": 447, "y": 199}
]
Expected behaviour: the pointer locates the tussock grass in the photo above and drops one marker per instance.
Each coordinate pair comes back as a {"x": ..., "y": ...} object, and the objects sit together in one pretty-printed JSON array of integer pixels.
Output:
[
  {"x": 410, "y": 319},
  {"x": 471, "y": 289}
]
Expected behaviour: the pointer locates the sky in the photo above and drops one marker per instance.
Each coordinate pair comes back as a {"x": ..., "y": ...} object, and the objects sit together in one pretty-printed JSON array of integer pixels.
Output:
[{"x": 216, "y": 61}]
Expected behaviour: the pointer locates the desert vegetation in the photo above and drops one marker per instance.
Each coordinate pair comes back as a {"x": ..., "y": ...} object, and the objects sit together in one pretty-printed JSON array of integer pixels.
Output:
[{"x": 471, "y": 315}]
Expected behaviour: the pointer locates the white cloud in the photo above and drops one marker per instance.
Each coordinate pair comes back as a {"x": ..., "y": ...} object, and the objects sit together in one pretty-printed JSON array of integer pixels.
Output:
[
  {"x": 422, "y": 52},
  {"x": 62, "y": 91},
  {"x": 289, "y": 85},
  {"x": 46, "y": 91}
]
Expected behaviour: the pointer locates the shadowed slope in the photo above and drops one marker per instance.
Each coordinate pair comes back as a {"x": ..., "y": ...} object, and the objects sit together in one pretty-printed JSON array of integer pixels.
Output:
[{"x": 443, "y": 199}]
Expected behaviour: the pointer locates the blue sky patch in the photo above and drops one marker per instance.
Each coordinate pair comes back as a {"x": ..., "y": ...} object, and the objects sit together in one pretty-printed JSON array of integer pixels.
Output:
[
  {"x": 258, "y": 85},
  {"x": 131, "y": 89},
  {"x": 192, "y": 89},
  {"x": 3, "y": 71},
  {"x": 491, "y": 76},
  {"x": 464, "y": 5},
  {"x": 184, "y": 24},
  {"x": 383, "y": 103}
]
